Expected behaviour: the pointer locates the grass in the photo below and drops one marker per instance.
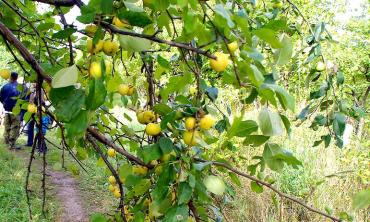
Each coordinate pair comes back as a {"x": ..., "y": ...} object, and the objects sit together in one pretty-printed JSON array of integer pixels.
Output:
[
  {"x": 13, "y": 204},
  {"x": 328, "y": 180}
]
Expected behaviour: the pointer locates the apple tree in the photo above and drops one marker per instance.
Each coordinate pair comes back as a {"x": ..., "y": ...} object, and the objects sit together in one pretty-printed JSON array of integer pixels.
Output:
[{"x": 167, "y": 61}]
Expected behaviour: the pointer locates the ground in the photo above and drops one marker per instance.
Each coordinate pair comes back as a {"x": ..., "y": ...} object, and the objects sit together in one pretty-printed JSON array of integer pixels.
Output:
[{"x": 69, "y": 197}]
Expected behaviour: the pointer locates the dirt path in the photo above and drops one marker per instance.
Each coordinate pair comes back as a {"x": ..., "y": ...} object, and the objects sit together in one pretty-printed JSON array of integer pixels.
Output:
[{"x": 66, "y": 189}]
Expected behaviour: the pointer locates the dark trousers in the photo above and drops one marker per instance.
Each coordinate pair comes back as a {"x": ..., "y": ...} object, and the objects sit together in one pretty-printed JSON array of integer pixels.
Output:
[{"x": 30, "y": 133}]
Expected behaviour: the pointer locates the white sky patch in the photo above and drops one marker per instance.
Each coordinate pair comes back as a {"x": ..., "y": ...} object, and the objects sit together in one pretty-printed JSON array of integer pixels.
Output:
[{"x": 70, "y": 16}]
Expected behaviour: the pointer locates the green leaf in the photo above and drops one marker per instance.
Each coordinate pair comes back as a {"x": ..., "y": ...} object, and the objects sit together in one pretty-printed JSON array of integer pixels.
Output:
[
  {"x": 150, "y": 152},
  {"x": 256, "y": 187},
  {"x": 65, "y": 77},
  {"x": 246, "y": 127},
  {"x": 125, "y": 170},
  {"x": 283, "y": 55},
  {"x": 87, "y": 15},
  {"x": 139, "y": 19},
  {"x": 78, "y": 125},
  {"x": 286, "y": 100},
  {"x": 212, "y": 93},
  {"x": 166, "y": 145},
  {"x": 184, "y": 193},
  {"x": 107, "y": 6},
  {"x": 162, "y": 109},
  {"x": 98, "y": 218},
  {"x": 64, "y": 34},
  {"x": 269, "y": 36},
  {"x": 340, "y": 78},
  {"x": 67, "y": 101},
  {"x": 270, "y": 122},
  {"x": 235, "y": 179},
  {"x": 361, "y": 200},
  {"x": 220, "y": 9},
  {"x": 214, "y": 184},
  {"x": 255, "y": 76},
  {"x": 134, "y": 44},
  {"x": 255, "y": 140},
  {"x": 339, "y": 123},
  {"x": 142, "y": 187},
  {"x": 303, "y": 114},
  {"x": 168, "y": 118},
  {"x": 286, "y": 123},
  {"x": 97, "y": 94},
  {"x": 163, "y": 62},
  {"x": 45, "y": 26},
  {"x": 275, "y": 157},
  {"x": 177, "y": 213}
]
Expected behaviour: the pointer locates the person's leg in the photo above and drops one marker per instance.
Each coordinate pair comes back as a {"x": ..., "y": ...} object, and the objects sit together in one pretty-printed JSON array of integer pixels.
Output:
[
  {"x": 14, "y": 130},
  {"x": 30, "y": 134},
  {"x": 6, "y": 128}
]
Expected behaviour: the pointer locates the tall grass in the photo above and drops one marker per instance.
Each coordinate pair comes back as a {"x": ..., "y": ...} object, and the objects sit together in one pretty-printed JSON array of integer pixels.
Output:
[{"x": 13, "y": 204}]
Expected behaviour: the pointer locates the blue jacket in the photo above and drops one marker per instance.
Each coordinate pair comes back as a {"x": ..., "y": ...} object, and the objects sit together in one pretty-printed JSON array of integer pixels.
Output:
[
  {"x": 8, "y": 95},
  {"x": 46, "y": 121}
]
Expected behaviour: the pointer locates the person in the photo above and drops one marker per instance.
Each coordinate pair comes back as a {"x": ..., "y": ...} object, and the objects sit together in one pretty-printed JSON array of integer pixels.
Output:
[
  {"x": 8, "y": 97},
  {"x": 45, "y": 122}
]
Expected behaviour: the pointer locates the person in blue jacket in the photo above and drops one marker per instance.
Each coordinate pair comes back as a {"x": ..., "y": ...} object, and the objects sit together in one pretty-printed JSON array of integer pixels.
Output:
[
  {"x": 45, "y": 122},
  {"x": 8, "y": 97}
]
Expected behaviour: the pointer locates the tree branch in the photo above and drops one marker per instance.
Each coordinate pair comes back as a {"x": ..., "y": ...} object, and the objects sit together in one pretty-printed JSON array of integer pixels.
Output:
[
  {"x": 65, "y": 3},
  {"x": 152, "y": 38},
  {"x": 260, "y": 182},
  {"x": 64, "y": 22},
  {"x": 101, "y": 138},
  {"x": 114, "y": 173},
  {"x": 9, "y": 36},
  {"x": 15, "y": 57},
  {"x": 34, "y": 29}
]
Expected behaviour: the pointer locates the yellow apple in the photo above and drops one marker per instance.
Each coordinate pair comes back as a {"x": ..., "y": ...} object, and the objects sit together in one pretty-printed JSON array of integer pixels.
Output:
[
  {"x": 111, "y": 152},
  {"x": 31, "y": 108},
  {"x": 95, "y": 70},
  {"x": 149, "y": 116},
  {"x": 5, "y": 73},
  {"x": 131, "y": 91},
  {"x": 190, "y": 123},
  {"x": 112, "y": 180},
  {"x": 233, "y": 46},
  {"x": 206, "y": 122},
  {"x": 320, "y": 66},
  {"x": 153, "y": 129},
  {"x": 277, "y": 5},
  {"x": 110, "y": 48},
  {"x": 123, "y": 89},
  {"x": 120, "y": 23},
  {"x": 190, "y": 137},
  {"x": 193, "y": 90},
  {"x": 220, "y": 63},
  {"x": 91, "y": 29}
]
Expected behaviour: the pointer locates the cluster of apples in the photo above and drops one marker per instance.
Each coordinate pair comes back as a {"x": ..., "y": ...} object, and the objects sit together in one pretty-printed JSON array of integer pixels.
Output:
[
  {"x": 113, "y": 187},
  {"x": 107, "y": 46},
  {"x": 222, "y": 60},
  {"x": 192, "y": 126},
  {"x": 149, "y": 117}
]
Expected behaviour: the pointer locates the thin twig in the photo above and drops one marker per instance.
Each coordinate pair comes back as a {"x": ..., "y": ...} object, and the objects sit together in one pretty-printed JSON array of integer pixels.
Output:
[{"x": 260, "y": 182}]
